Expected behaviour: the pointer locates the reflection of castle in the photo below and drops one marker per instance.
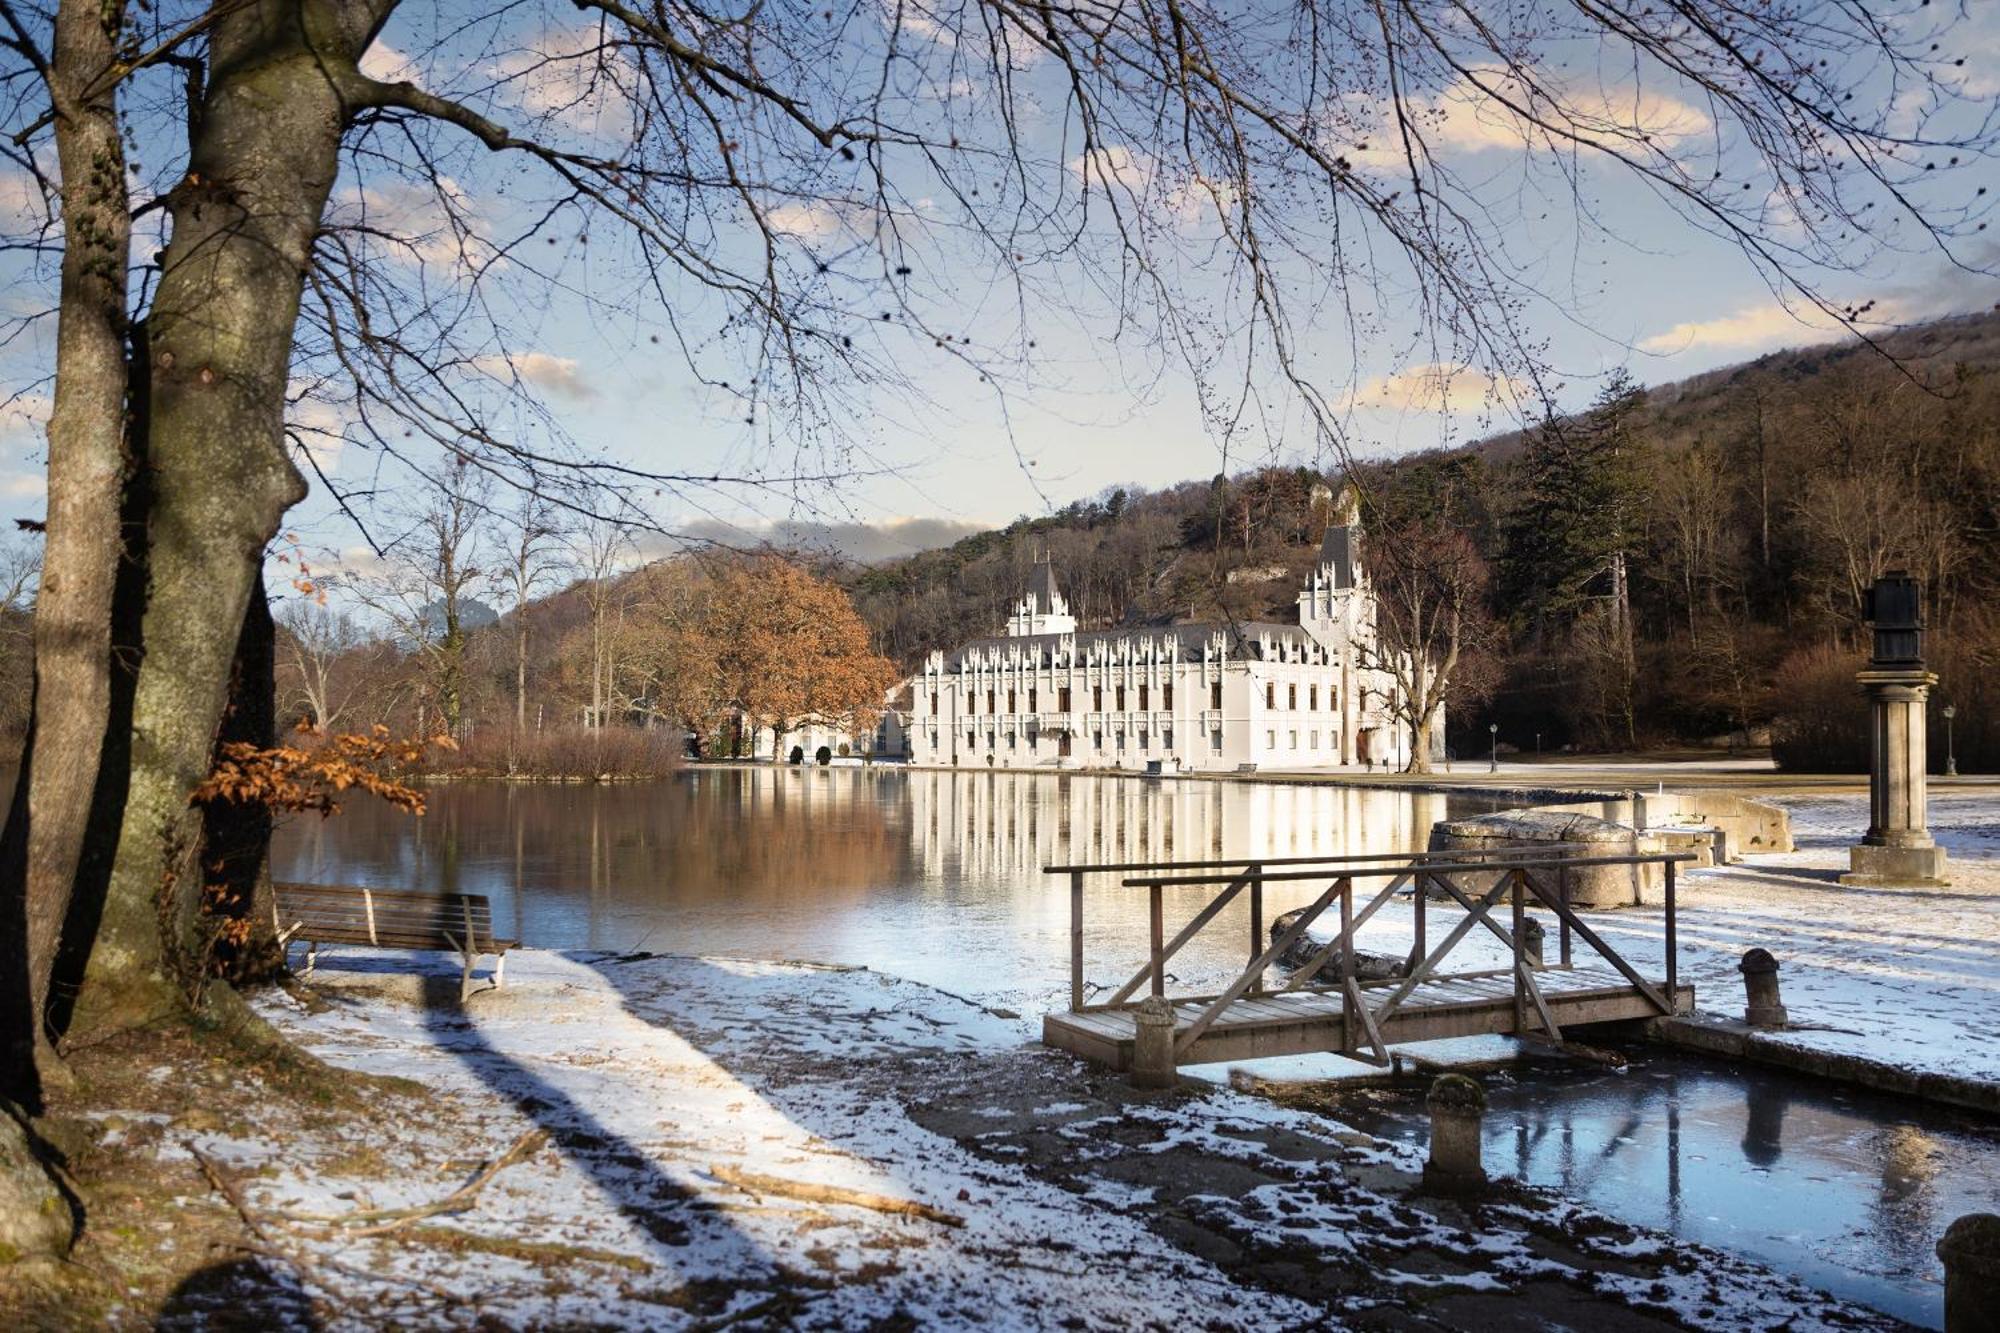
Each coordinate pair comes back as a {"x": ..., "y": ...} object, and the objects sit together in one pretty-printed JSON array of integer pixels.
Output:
[
  {"x": 1012, "y": 824},
  {"x": 1254, "y": 695}
]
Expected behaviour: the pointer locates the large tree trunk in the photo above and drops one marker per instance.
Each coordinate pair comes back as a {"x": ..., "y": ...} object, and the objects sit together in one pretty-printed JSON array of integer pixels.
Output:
[
  {"x": 218, "y": 478},
  {"x": 236, "y": 835},
  {"x": 72, "y": 632}
]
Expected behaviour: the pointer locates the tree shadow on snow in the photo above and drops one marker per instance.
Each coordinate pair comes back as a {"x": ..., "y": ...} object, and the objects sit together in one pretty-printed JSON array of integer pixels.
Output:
[{"x": 673, "y": 1216}]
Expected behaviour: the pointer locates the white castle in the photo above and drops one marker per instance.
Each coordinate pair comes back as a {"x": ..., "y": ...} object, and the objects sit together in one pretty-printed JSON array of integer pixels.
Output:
[{"x": 1211, "y": 697}]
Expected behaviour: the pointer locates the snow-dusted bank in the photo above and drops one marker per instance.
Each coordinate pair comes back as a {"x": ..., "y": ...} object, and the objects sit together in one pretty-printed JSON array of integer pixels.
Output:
[
  {"x": 727, "y": 1142},
  {"x": 1909, "y": 978}
]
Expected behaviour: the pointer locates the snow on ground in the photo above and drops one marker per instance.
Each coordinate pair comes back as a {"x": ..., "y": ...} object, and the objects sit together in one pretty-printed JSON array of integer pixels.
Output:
[
  {"x": 628, "y": 1065},
  {"x": 1084, "y": 1203}
]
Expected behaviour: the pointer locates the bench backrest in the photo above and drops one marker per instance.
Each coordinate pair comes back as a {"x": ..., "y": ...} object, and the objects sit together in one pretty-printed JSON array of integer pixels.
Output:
[{"x": 392, "y": 918}]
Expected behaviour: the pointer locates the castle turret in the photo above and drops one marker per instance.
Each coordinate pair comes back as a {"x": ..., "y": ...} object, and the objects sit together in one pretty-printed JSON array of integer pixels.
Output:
[{"x": 1041, "y": 609}]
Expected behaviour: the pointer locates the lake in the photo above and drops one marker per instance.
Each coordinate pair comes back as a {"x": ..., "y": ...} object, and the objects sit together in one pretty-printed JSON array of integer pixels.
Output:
[{"x": 930, "y": 874}]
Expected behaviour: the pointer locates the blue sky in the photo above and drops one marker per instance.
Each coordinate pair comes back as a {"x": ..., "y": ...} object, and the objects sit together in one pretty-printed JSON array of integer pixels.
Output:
[{"x": 1633, "y": 285}]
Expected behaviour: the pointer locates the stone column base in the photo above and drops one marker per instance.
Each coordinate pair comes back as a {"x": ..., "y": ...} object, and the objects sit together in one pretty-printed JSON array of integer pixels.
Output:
[{"x": 1916, "y": 867}]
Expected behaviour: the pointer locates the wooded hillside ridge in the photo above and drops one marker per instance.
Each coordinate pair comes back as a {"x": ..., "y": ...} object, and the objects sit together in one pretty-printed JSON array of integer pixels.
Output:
[{"x": 1675, "y": 565}]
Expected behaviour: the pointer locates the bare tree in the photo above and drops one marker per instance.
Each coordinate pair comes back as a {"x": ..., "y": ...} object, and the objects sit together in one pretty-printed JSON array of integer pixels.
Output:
[
  {"x": 1431, "y": 623},
  {"x": 794, "y": 197},
  {"x": 428, "y": 583},
  {"x": 534, "y": 554},
  {"x": 315, "y": 642},
  {"x": 599, "y": 549}
]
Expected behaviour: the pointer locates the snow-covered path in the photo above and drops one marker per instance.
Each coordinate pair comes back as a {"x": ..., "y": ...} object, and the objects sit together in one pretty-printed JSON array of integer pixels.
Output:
[{"x": 661, "y": 1080}]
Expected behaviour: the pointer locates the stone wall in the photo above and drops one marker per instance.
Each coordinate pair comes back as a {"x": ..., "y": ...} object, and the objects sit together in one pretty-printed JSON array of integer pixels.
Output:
[{"x": 1747, "y": 826}]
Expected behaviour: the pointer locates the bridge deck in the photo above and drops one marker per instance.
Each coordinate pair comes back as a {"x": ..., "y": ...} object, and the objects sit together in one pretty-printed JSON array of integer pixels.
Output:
[{"x": 1267, "y": 1024}]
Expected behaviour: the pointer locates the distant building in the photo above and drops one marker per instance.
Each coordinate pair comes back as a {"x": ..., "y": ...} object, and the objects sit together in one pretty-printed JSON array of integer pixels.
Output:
[{"x": 1202, "y": 697}]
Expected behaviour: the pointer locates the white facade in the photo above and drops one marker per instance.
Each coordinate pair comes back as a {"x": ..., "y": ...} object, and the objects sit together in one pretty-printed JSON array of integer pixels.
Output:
[{"x": 1200, "y": 697}]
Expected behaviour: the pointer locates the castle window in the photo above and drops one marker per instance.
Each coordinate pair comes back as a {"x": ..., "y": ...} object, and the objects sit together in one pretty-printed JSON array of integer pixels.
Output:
[
  {"x": 1121, "y": 698},
  {"x": 1097, "y": 698},
  {"x": 1215, "y": 694},
  {"x": 1144, "y": 691},
  {"x": 1167, "y": 695},
  {"x": 1270, "y": 694},
  {"x": 992, "y": 701},
  {"x": 1010, "y": 701},
  {"x": 1031, "y": 698},
  {"x": 1292, "y": 697},
  {"x": 1062, "y": 699},
  {"x": 1312, "y": 697},
  {"x": 1215, "y": 740},
  {"x": 1167, "y": 739}
]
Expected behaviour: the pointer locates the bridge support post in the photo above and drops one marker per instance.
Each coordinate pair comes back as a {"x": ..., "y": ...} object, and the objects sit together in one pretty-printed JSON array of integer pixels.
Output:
[
  {"x": 1457, "y": 1104},
  {"x": 1153, "y": 1045},
  {"x": 1760, "y": 985},
  {"x": 1971, "y": 1253}
]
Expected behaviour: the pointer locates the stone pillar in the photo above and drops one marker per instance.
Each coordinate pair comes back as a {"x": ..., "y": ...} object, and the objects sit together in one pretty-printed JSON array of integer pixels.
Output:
[
  {"x": 1760, "y": 985},
  {"x": 1971, "y": 1254},
  {"x": 1153, "y": 1045},
  {"x": 1457, "y": 1104},
  {"x": 1898, "y": 848}
]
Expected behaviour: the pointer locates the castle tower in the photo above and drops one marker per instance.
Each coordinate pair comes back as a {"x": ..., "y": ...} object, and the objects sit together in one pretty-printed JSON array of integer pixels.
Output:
[
  {"x": 1041, "y": 609},
  {"x": 1326, "y": 604}
]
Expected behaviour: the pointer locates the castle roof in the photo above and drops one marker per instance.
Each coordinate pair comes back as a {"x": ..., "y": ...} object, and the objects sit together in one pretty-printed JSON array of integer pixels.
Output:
[
  {"x": 1244, "y": 640},
  {"x": 1042, "y": 587}
]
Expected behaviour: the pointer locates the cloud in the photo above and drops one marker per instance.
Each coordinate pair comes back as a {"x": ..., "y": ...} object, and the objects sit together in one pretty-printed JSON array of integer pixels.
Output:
[
  {"x": 1766, "y": 325},
  {"x": 25, "y": 485},
  {"x": 817, "y": 219},
  {"x": 1186, "y": 195},
  {"x": 23, "y": 417},
  {"x": 559, "y": 375},
  {"x": 883, "y": 539},
  {"x": 318, "y": 427},
  {"x": 21, "y": 201},
  {"x": 436, "y": 220},
  {"x": 1477, "y": 114},
  {"x": 1433, "y": 387},
  {"x": 574, "y": 73},
  {"x": 945, "y": 28},
  {"x": 383, "y": 61}
]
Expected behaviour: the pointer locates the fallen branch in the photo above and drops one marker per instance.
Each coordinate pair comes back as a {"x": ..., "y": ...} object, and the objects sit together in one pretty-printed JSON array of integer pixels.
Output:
[
  {"x": 380, "y": 1221},
  {"x": 810, "y": 1192},
  {"x": 226, "y": 1186}
]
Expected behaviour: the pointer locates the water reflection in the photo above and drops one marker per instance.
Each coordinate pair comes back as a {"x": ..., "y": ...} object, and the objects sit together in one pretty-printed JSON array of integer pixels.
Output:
[
  {"x": 1848, "y": 1191},
  {"x": 931, "y": 874}
]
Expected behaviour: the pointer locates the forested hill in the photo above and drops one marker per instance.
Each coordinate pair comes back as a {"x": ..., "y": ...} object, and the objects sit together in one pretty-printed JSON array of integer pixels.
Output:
[{"x": 1748, "y": 507}]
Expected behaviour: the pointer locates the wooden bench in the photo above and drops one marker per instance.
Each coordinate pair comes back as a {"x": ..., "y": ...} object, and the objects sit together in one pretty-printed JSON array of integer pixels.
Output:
[{"x": 461, "y": 923}]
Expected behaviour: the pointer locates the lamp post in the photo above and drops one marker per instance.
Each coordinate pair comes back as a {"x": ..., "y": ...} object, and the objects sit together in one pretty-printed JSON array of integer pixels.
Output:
[
  {"x": 1493, "y": 730},
  {"x": 1950, "y": 751}
]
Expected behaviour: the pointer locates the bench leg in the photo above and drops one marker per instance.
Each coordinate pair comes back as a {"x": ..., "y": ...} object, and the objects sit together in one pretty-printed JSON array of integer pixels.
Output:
[
  {"x": 312, "y": 957},
  {"x": 499, "y": 971}
]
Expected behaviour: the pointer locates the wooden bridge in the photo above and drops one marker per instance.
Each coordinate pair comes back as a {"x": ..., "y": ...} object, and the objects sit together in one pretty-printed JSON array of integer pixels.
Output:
[{"x": 1364, "y": 1018}]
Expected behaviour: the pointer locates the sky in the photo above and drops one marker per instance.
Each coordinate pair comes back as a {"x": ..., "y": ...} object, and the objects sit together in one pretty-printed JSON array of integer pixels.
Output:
[{"x": 945, "y": 451}]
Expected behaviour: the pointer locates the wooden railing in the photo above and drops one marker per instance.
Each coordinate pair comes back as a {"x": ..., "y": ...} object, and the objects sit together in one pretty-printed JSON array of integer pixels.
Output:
[{"x": 1522, "y": 874}]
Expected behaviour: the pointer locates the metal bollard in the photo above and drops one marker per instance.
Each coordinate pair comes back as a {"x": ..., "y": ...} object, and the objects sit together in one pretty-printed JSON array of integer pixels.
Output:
[
  {"x": 1760, "y": 985},
  {"x": 1153, "y": 1045},
  {"x": 1455, "y": 1168},
  {"x": 1971, "y": 1254},
  {"x": 1532, "y": 935}
]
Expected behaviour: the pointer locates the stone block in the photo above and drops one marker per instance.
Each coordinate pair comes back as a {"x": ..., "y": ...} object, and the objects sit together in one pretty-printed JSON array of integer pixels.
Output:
[{"x": 1902, "y": 867}]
